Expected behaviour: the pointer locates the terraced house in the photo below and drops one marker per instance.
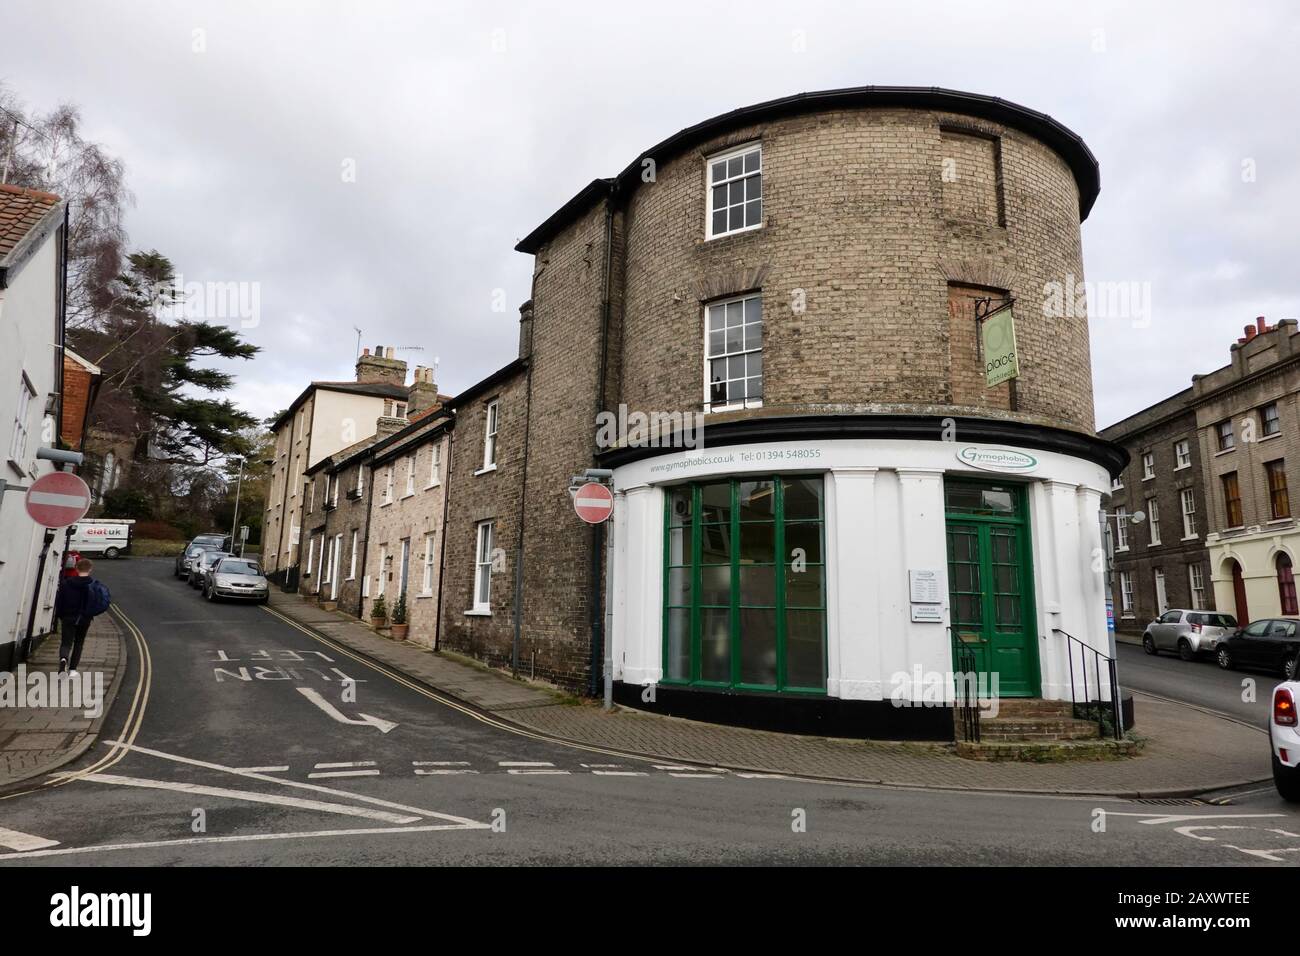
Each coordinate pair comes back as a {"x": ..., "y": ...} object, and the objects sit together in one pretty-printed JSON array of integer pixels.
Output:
[{"x": 899, "y": 466}]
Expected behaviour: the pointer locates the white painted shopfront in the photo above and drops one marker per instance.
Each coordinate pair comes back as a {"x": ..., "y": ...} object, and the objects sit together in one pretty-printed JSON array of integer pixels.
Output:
[{"x": 888, "y": 534}]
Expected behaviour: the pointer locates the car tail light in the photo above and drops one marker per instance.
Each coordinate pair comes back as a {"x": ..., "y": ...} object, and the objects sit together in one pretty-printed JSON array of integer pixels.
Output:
[{"x": 1283, "y": 708}]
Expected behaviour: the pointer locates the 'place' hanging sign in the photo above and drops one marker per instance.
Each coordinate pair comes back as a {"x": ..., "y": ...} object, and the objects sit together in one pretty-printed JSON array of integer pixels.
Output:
[{"x": 998, "y": 338}]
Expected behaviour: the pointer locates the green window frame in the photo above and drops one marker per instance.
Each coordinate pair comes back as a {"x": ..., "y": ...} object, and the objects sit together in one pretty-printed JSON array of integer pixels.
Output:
[{"x": 735, "y": 616}]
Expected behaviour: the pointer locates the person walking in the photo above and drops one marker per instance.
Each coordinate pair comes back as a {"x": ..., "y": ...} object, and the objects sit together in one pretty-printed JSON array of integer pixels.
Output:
[{"x": 80, "y": 598}]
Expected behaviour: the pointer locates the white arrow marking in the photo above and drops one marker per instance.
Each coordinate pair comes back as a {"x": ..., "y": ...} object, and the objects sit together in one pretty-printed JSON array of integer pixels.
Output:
[
  {"x": 23, "y": 841},
  {"x": 383, "y": 726}
]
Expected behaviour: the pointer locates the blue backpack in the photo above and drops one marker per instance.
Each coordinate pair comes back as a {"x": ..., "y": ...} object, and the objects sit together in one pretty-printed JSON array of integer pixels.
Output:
[{"x": 97, "y": 598}]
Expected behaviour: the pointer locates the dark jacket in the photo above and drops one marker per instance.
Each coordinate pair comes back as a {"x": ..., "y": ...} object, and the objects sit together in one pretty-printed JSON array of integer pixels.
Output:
[{"x": 72, "y": 598}]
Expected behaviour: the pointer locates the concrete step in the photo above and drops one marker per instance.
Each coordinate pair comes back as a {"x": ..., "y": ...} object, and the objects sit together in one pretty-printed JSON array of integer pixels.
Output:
[
  {"x": 1048, "y": 751},
  {"x": 1034, "y": 707}
]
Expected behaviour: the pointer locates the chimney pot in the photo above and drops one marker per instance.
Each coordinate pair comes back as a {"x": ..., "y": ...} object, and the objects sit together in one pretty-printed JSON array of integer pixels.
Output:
[
  {"x": 1260, "y": 324},
  {"x": 1250, "y": 332}
]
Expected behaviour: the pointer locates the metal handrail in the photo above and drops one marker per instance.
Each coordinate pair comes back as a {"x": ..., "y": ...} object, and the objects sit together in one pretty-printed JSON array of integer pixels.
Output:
[
  {"x": 966, "y": 700},
  {"x": 1112, "y": 680}
]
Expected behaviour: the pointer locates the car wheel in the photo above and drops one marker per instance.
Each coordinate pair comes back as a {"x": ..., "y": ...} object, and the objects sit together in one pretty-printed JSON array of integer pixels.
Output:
[
  {"x": 210, "y": 594},
  {"x": 1289, "y": 667},
  {"x": 1149, "y": 644},
  {"x": 111, "y": 552},
  {"x": 1287, "y": 781},
  {"x": 1225, "y": 658},
  {"x": 1185, "y": 650}
]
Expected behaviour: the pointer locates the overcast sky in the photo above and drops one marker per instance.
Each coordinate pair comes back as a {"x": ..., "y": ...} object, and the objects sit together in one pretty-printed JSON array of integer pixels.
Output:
[{"x": 468, "y": 124}]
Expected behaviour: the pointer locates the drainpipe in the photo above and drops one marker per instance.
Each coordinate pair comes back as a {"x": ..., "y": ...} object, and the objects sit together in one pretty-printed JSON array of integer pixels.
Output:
[
  {"x": 598, "y": 655},
  {"x": 442, "y": 545},
  {"x": 523, "y": 496}
]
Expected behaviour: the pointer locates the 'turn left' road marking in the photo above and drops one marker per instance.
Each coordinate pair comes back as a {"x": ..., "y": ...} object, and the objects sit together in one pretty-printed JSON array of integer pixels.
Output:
[
  {"x": 383, "y": 726},
  {"x": 24, "y": 841}
]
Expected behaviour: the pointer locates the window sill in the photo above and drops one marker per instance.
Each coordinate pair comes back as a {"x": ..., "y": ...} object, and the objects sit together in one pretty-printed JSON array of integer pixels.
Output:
[
  {"x": 1148, "y": 477},
  {"x": 1191, "y": 537},
  {"x": 346, "y": 580},
  {"x": 436, "y": 484},
  {"x": 736, "y": 407},
  {"x": 17, "y": 469},
  {"x": 424, "y": 594},
  {"x": 1182, "y": 467},
  {"x": 1225, "y": 451},
  {"x": 730, "y": 232},
  {"x": 1286, "y": 520},
  {"x": 484, "y": 470},
  {"x": 385, "y": 504},
  {"x": 1118, "y": 550},
  {"x": 1269, "y": 437},
  {"x": 409, "y": 494},
  {"x": 479, "y": 612}
]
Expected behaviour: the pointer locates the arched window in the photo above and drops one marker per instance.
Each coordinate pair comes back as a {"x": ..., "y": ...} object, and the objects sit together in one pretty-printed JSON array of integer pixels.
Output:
[{"x": 1286, "y": 585}]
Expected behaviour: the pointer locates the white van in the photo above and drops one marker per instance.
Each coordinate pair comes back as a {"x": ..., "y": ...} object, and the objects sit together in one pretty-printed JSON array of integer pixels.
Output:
[{"x": 107, "y": 536}]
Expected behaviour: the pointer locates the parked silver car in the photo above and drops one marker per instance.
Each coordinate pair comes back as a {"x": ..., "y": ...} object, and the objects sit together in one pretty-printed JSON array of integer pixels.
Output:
[
  {"x": 199, "y": 566},
  {"x": 1188, "y": 632},
  {"x": 235, "y": 578}
]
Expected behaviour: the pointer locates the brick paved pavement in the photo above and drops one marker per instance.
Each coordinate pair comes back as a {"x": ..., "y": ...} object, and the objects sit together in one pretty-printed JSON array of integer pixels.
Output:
[
  {"x": 1187, "y": 751},
  {"x": 37, "y": 740}
]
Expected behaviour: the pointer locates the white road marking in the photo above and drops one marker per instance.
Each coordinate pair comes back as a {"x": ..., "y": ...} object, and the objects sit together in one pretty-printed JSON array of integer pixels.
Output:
[
  {"x": 343, "y": 773},
  {"x": 439, "y": 763},
  {"x": 346, "y": 763},
  {"x": 697, "y": 776},
  {"x": 246, "y": 838},
  {"x": 524, "y": 763},
  {"x": 250, "y": 796},
  {"x": 441, "y": 771},
  {"x": 376, "y": 801},
  {"x": 383, "y": 726},
  {"x": 526, "y": 772},
  {"x": 604, "y": 766},
  {"x": 23, "y": 841},
  {"x": 281, "y": 769},
  {"x": 763, "y": 776},
  {"x": 620, "y": 773}
]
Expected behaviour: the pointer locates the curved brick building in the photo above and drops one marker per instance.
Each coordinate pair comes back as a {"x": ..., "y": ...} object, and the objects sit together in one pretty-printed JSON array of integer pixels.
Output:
[{"x": 793, "y": 312}]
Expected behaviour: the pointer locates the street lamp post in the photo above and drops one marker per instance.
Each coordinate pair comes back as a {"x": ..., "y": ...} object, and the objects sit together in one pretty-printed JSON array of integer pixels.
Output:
[{"x": 234, "y": 527}]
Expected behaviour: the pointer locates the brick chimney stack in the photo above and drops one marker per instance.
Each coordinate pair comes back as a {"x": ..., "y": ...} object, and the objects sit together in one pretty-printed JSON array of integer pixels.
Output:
[
  {"x": 423, "y": 391},
  {"x": 1259, "y": 328},
  {"x": 381, "y": 367}
]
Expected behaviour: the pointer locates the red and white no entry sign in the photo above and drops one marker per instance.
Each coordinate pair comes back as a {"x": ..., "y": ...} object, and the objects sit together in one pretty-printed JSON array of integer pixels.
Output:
[
  {"x": 58, "y": 499},
  {"x": 593, "y": 502}
]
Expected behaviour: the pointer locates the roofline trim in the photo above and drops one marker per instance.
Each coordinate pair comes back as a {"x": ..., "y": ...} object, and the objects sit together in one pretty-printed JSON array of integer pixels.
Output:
[{"x": 1065, "y": 142}]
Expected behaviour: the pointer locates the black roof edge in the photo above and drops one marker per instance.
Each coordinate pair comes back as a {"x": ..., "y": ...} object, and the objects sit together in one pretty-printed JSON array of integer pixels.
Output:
[
  {"x": 502, "y": 374},
  {"x": 1066, "y": 143},
  {"x": 390, "y": 447},
  {"x": 375, "y": 447},
  {"x": 1185, "y": 395},
  {"x": 1114, "y": 458},
  {"x": 356, "y": 388}
]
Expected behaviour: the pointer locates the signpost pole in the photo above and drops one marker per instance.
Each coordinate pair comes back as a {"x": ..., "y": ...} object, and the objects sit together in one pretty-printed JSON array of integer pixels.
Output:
[{"x": 36, "y": 595}]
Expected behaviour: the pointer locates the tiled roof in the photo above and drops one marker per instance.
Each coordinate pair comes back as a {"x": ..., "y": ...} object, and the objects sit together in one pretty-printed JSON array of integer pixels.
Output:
[{"x": 21, "y": 211}]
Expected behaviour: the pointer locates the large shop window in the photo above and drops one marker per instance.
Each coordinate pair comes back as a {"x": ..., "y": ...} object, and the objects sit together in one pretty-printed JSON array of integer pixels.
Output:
[{"x": 744, "y": 584}]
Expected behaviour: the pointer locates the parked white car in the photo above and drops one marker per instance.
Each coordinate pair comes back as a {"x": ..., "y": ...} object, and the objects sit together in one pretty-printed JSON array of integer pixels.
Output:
[
  {"x": 1188, "y": 632},
  {"x": 1284, "y": 737},
  {"x": 107, "y": 536}
]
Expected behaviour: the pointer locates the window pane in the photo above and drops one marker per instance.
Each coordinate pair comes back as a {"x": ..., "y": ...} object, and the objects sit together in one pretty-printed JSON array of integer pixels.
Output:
[
  {"x": 756, "y": 500},
  {"x": 803, "y": 588},
  {"x": 679, "y": 543},
  {"x": 715, "y": 546},
  {"x": 758, "y": 647},
  {"x": 719, "y": 197},
  {"x": 679, "y": 587},
  {"x": 717, "y": 342},
  {"x": 735, "y": 166},
  {"x": 736, "y": 195},
  {"x": 753, "y": 309},
  {"x": 757, "y": 585},
  {"x": 758, "y": 542},
  {"x": 754, "y": 389},
  {"x": 753, "y": 187},
  {"x": 754, "y": 336},
  {"x": 805, "y": 659},
  {"x": 679, "y": 644},
  {"x": 715, "y": 584},
  {"x": 735, "y": 338},
  {"x": 719, "y": 171},
  {"x": 680, "y": 502},
  {"x": 715, "y": 500},
  {"x": 754, "y": 212},
  {"x": 715, "y": 644},
  {"x": 735, "y": 313},
  {"x": 803, "y": 497},
  {"x": 735, "y": 364},
  {"x": 806, "y": 537},
  {"x": 718, "y": 393},
  {"x": 751, "y": 161},
  {"x": 753, "y": 363},
  {"x": 736, "y": 218},
  {"x": 719, "y": 221}
]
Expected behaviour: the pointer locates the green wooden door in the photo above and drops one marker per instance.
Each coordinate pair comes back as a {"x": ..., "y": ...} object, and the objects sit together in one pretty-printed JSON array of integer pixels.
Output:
[{"x": 990, "y": 583}]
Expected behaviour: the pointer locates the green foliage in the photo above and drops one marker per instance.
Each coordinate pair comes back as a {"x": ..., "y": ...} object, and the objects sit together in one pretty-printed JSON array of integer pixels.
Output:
[
  {"x": 399, "y": 610},
  {"x": 127, "y": 503},
  {"x": 379, "y": 608}
]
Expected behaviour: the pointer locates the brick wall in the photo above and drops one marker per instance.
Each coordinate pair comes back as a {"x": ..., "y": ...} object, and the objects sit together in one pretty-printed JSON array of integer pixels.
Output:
[{"x": 1157, "y": 432}]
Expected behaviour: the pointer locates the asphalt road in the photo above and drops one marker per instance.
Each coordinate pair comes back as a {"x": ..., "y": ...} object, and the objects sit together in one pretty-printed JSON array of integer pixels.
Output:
[
  {"x": 230, "y": 763},
  {"x": 1245, "y": 694}
]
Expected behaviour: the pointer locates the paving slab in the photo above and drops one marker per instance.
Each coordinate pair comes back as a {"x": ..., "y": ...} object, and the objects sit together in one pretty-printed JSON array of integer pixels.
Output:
[
  {"x": 1187, "y": 750},
  {"x": 35, "y": 741}
]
